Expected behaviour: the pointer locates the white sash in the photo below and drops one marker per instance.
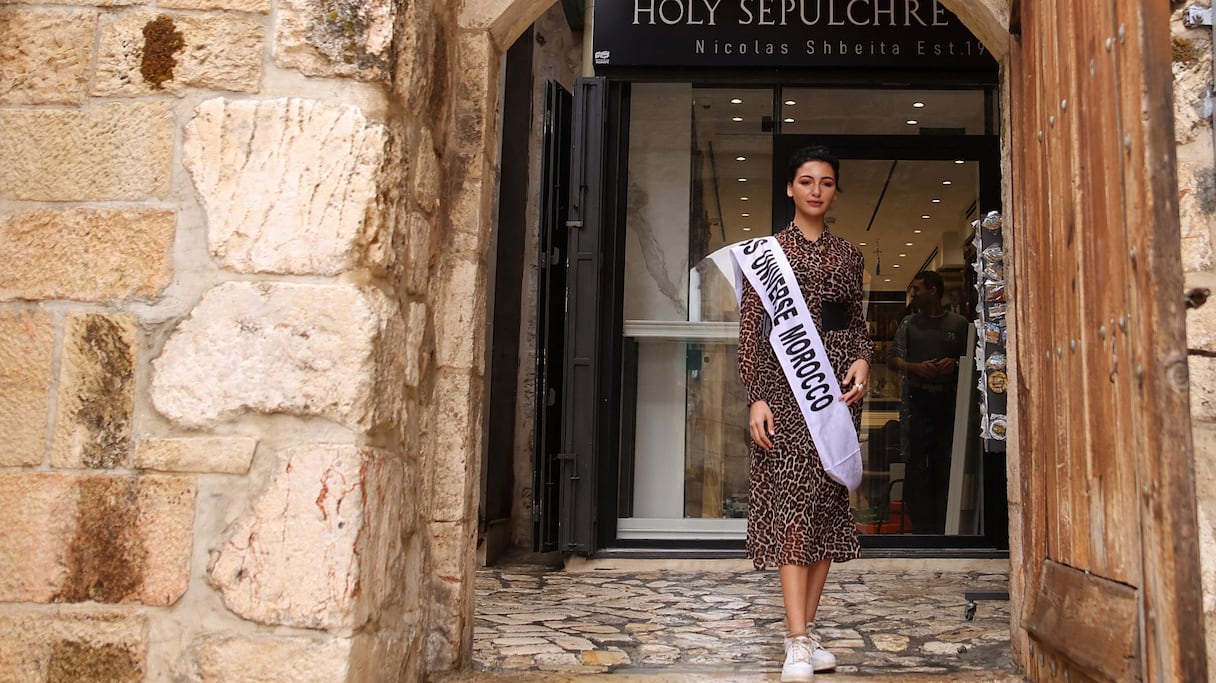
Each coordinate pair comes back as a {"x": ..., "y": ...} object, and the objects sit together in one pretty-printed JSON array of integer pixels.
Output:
[{"x": 799, "y": 349}]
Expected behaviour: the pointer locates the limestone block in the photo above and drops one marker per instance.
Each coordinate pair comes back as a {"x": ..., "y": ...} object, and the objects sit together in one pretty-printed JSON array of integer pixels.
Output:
[
  {"x": 297, "y": 558},
  {"x": 89, "y": 3},
  {"x": 1191, "y": 50},
  {"x": 258, "y": 6},
  {"x": 501, "y": 21},
  {"x": 27, "y": 343},
  {"x": 287, "y": 184},
  {"x": 451, "y": 593},
  {"x": 335, "y": 37},
  {"x": 266, "y": 659},
  {"x": 419, "y": 247},
  {"x": 426, "y": 174},
  {"x": 96, "y": 396},
  {"x": 222, "y": 454},
  {"x": 95, "y": 538},
  {"x": 44, "y": 55},
  {"x": 86, "y": 254},
  {"x": 1202, "y": 381},
  {"x": 143, "y": 53},
  {"x": 415, "y": 332},
  {"x": 103, "y": 152},
  {"x": 1197, "y": 254},
  {"x": 323, "y": 350},
  {"x": 475, "y": 87},
  {"x": 459, "y": 315},
  {"x": 456, "y": 400},
  {"x": 73, "y": 644},
  {"x": 419, "y": 39}
]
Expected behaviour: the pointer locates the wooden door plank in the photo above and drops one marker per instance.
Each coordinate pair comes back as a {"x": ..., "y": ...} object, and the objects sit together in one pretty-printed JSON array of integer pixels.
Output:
[
  {"x": 1112, "y": 532},
  {"x": 1173, "y": 624},
  {"x": 1025, "y": 524},
  {"x": 1089, "y": 621}
]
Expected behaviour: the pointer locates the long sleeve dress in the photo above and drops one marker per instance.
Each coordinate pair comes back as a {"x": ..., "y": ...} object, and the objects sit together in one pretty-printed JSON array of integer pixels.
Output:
[{"x": 796, "y": 513}]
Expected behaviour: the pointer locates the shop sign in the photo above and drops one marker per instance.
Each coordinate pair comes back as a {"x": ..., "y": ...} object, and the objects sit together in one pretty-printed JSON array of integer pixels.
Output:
[{"x": 890, "y": 34}]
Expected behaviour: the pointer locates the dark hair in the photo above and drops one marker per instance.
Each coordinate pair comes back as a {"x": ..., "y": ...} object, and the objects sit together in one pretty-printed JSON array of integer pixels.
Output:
[
  {"x": 813, "y": 153},
  {"x": 932, "y": 280}
]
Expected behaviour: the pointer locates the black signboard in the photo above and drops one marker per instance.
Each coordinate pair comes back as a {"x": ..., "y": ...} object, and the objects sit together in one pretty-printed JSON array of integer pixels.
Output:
[{"x": 888, "y": 34}]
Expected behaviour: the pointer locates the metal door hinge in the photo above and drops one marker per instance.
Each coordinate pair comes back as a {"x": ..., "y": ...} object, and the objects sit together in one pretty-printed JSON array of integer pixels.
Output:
[{"x": 1196, "y": 16}]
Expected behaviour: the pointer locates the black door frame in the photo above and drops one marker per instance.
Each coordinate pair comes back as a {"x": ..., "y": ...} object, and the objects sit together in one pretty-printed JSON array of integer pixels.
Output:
[{"x": 592, "y": 477}]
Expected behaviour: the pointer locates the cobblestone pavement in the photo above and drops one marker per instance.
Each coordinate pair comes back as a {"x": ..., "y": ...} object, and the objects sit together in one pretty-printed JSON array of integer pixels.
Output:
[{"x": 724, "y": 622}]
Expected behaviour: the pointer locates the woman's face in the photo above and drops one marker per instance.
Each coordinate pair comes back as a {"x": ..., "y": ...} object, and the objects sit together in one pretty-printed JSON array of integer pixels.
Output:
[{"x": 813, "y": 188}]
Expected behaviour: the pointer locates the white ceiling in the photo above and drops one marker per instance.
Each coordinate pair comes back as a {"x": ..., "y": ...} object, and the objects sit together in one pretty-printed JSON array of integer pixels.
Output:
[{"x": 741, "y": 149}]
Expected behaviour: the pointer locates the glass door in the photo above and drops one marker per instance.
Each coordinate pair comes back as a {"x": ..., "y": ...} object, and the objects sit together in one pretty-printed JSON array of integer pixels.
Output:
[{"x": 706, "y": 169}]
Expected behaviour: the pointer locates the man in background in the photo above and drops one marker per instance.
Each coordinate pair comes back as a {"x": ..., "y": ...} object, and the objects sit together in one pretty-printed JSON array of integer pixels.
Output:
[{"x": 926, "y": 352}]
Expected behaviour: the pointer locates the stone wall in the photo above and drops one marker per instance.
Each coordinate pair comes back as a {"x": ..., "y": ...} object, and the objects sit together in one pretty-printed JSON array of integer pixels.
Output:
[
  {"x": 1197, "y": 205},
  {"x": 241, "y": 334}
]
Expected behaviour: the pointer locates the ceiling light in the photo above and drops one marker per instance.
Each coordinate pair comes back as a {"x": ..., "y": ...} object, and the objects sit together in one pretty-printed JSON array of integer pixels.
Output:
[
  {"x": 790, "y": 103},
  {"x": 907, "y": 244},
  {"x": 925, "y": 217},
  {"x": 894, "y": 265},
  {"x": 746, "y": 215},
  {"x": 959, "y": 161},
  {"x": 886, "y": 279},
  {"x": 937, "y": 201},
  {"x": 947, "y": 182},
  {"x": 911, "y": 122},
  {"x": 787, "y": 120},
  {"x": 736, "y": 101},
  {"x": 743, "y": 180},
  {"x": 918, "y": 231},
  {"x": 743, "y": 199},
  {"x": 903, "y": 255},
  {"x": 917, "y": 105},
  {"x": 740, "y": 158},
  {"x": 736, "y": 118},
  {"x": 747, "y": 229},
  {"x": 861, "y": 244}
]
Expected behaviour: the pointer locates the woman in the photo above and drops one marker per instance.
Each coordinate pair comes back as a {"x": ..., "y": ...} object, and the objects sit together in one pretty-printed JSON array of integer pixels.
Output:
[{"x": 799, "y": 519}]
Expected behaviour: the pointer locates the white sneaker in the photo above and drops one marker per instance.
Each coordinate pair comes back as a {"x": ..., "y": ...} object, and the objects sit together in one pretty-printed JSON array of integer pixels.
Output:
[
  {"x": 821, "y": 659},
  {"x": 798, "y": 667}
]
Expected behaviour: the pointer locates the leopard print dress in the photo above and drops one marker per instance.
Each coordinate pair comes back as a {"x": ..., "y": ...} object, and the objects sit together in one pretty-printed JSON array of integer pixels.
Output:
[{"x": 796, "y": 514}]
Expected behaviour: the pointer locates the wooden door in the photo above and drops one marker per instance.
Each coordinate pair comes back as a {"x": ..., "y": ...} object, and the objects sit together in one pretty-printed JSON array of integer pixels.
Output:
[{"x": 1109, "y": 586}]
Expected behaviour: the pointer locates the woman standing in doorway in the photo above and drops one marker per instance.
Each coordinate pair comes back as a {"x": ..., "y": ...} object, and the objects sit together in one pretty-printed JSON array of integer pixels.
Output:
[{"x": 799, "y": 519}]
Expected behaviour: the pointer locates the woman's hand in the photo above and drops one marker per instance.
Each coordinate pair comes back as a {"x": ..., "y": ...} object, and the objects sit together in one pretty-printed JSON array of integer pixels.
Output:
[
  {"x": 858, "y": 375},
  {"x": 760, "y": 422}
]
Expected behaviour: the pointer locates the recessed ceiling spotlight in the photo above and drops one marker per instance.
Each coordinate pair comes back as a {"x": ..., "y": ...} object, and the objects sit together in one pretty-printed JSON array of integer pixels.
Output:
[
  {"x": 744, "y": 199},
  {"x": 743, "y": 180},
  {"x": 947, "y": 182},
  {"x": 937, "y": 201},
  {"x": 918, "y": 105},
  {"x": 790, "y": 103},
  {"x": 736, "y": 101},
  {"x": 787, "y": 120},
  {"x": 736, "y": 118},
  {"x": 886, "y": 279},
  {"x": 925, "y": 217},
  {"x": 861, "y": 244},
  {"x": 911, "y": 122},
  {"x": 918, "y": 231},
  {"x": 903, "y": 255},
  {"x": 746, "y": 215},
  {"x": 959, "y": 161},
  {"x": 747, "y": 229},
  {"x": 894, "y": 265},
  {"x": 907, "y": 244}
]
